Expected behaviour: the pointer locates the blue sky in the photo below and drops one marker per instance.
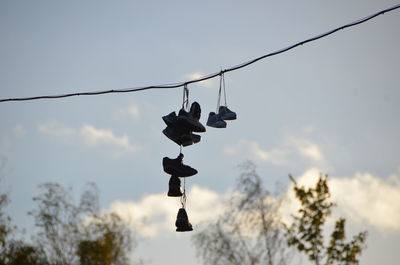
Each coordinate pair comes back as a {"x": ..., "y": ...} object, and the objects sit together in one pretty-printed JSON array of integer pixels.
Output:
[{"x": 330, "y": 106}]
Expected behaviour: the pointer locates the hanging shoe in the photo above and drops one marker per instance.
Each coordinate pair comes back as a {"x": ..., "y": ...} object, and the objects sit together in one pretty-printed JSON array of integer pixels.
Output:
[
  {"x": 182, "y": 221},
  {"x": 170, "y": 119},
  {"x": 195, "y": 110},
  {"x": 181, "y": 136},
  {"x": 175, "y": 167},
  {"x": 187, "y": 120},
  {"x": 215, "y": 120},
  {"x": 226, "y": 114},
  {"x": 174, "y": 187}
]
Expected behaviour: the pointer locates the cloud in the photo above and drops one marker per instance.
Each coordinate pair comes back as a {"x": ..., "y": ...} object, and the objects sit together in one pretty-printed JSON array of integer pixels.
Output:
[
  {"x": 19, "y": 130},
  {"x": 367, "y": 198},
  {"x": 253, "y": 149},
  {"x": 307, "y": 149},
  {"x": 106, "y": 138},
  {"x": 288, "y": 150},
  {"x": 156, "y": 213},
  {"x": 133, "y": 112},
  {"x": 363, "y": 198},
  {"x": 56, "y": 129},
  {"x": 196, "y": 75},
  {"x": 91, "y": 137}
]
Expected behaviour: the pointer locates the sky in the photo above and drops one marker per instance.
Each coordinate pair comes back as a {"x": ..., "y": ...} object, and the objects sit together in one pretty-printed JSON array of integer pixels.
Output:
[{"x": 329, "y": 106}]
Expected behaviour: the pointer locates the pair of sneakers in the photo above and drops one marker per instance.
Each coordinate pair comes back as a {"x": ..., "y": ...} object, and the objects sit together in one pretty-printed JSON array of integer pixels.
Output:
[
  {"x": 176, "y": 169},
  {"x": 180, "y": 127},
  {"x": 182, "y": 221},
  {"x": 217, "y": 120}
]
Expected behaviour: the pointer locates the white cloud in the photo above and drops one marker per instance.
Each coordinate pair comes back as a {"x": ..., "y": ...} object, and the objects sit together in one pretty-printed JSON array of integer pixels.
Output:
[
  {"x": 367, "y": 198},
  {"x": 91, "y": 137},
  {"x": 156, "y": 213},
  {"x": 19, "y": 130},
  {"x": 253, "y": 149},
  {"x": 289, "y": 150},
  {"x": 196, "y": 75},
  {"x": 363, "y": 198},
  {"x": 133, "y": 112},
  {"x": 307, "y": 149},
  {"x": 56, "y": 129},
  {"x": 106, "y": 138}
]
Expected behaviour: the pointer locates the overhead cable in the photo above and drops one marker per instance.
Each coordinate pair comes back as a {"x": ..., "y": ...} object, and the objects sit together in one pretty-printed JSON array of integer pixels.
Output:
[{"x": 236, "y": 67}]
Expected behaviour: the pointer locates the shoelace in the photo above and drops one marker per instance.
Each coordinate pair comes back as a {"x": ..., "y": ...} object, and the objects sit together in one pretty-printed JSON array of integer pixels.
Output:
[{"x": 221, "y": 87}]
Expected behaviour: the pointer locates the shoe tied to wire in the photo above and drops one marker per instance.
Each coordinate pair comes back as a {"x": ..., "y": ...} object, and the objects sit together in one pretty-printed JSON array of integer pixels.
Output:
[
  {"x": 189, "y": 119},
  {"x": 215, "y": 120},
  {"x": 195, "y": 110},
  {"x": 182, "y": 221},
  {"x": 226, "y": 114},
  {"x": 181, "y": 136},
  {"x": 175, "y": 167},
  {"x": 170, "y": 119},
  {"x": 174, "y": 187}
]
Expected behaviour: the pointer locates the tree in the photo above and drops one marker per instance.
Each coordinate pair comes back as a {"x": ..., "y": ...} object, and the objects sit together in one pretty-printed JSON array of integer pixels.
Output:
[
  {"x": 306, "y": 233},
  {"x": 12, "y": 251},
  {"x": 19, "y": 252},
  {"x": 108, "y": 242},
  {"x": 78, "y": 234},
  {"x": 249, "y": 231}
]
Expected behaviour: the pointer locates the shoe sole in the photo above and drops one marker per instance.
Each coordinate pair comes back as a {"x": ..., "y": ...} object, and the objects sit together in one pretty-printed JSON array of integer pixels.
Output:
[{"x": 229, "y": 117}]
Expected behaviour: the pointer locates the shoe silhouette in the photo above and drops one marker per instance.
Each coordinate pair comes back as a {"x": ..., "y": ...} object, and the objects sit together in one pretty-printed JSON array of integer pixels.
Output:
[
  {"x": 186, "y": 119},
  {"x": 215, "y": 120},
  {"x": 175, "y": 167},
  {"x": 181, "y": 136},
  {"x": 226, "y": 114},
  {"x": 182, "y": 221},
  {"x": 174, "y": 187},
  {"x": 170, "y": 119}
]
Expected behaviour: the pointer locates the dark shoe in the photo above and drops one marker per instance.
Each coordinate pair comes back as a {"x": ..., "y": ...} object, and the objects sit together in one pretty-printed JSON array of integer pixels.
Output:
[
  {"x": 174, "y": 187},
  {"x": 226, "y": 114},
  {"x": 181, "y": 137},
  {"x": 170, "y": 119},
  {"x": 175, "y": 167},
  {"x": 187, "y": 120},
  {"x": 182, "y": 221},
  {"x": 215, "y": 120},
  {"x": 195, "y": 110}
]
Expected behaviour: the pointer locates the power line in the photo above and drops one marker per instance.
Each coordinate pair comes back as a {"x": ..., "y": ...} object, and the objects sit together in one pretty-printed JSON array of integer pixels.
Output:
[{"x": 175, "y": 85}]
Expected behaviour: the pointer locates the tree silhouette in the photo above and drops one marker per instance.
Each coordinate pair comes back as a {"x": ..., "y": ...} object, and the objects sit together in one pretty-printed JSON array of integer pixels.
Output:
[
  {"x": 77, "y": 233},
  {"x": 12, "y": 251},
  {"x": 249, "y": 231},
  {"x": 67, "y": 233}
]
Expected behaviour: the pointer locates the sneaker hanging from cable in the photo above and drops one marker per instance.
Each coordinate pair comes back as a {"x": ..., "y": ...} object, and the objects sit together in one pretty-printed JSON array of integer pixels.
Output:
[
  {"x": 224, "y": 111},
  {"x": 182, "y": 221},
  {"x": 175, "y": 167},
  {"x": 174, "y": 187},
  {"x": 180, "y": 127},
  {"x": 217, "y": 119}
]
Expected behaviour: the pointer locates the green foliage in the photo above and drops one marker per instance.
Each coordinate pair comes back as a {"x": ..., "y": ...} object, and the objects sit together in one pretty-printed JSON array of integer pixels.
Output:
[
  {"x": 108, "y": 242},
  {"x": 307, "y": 230}
]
